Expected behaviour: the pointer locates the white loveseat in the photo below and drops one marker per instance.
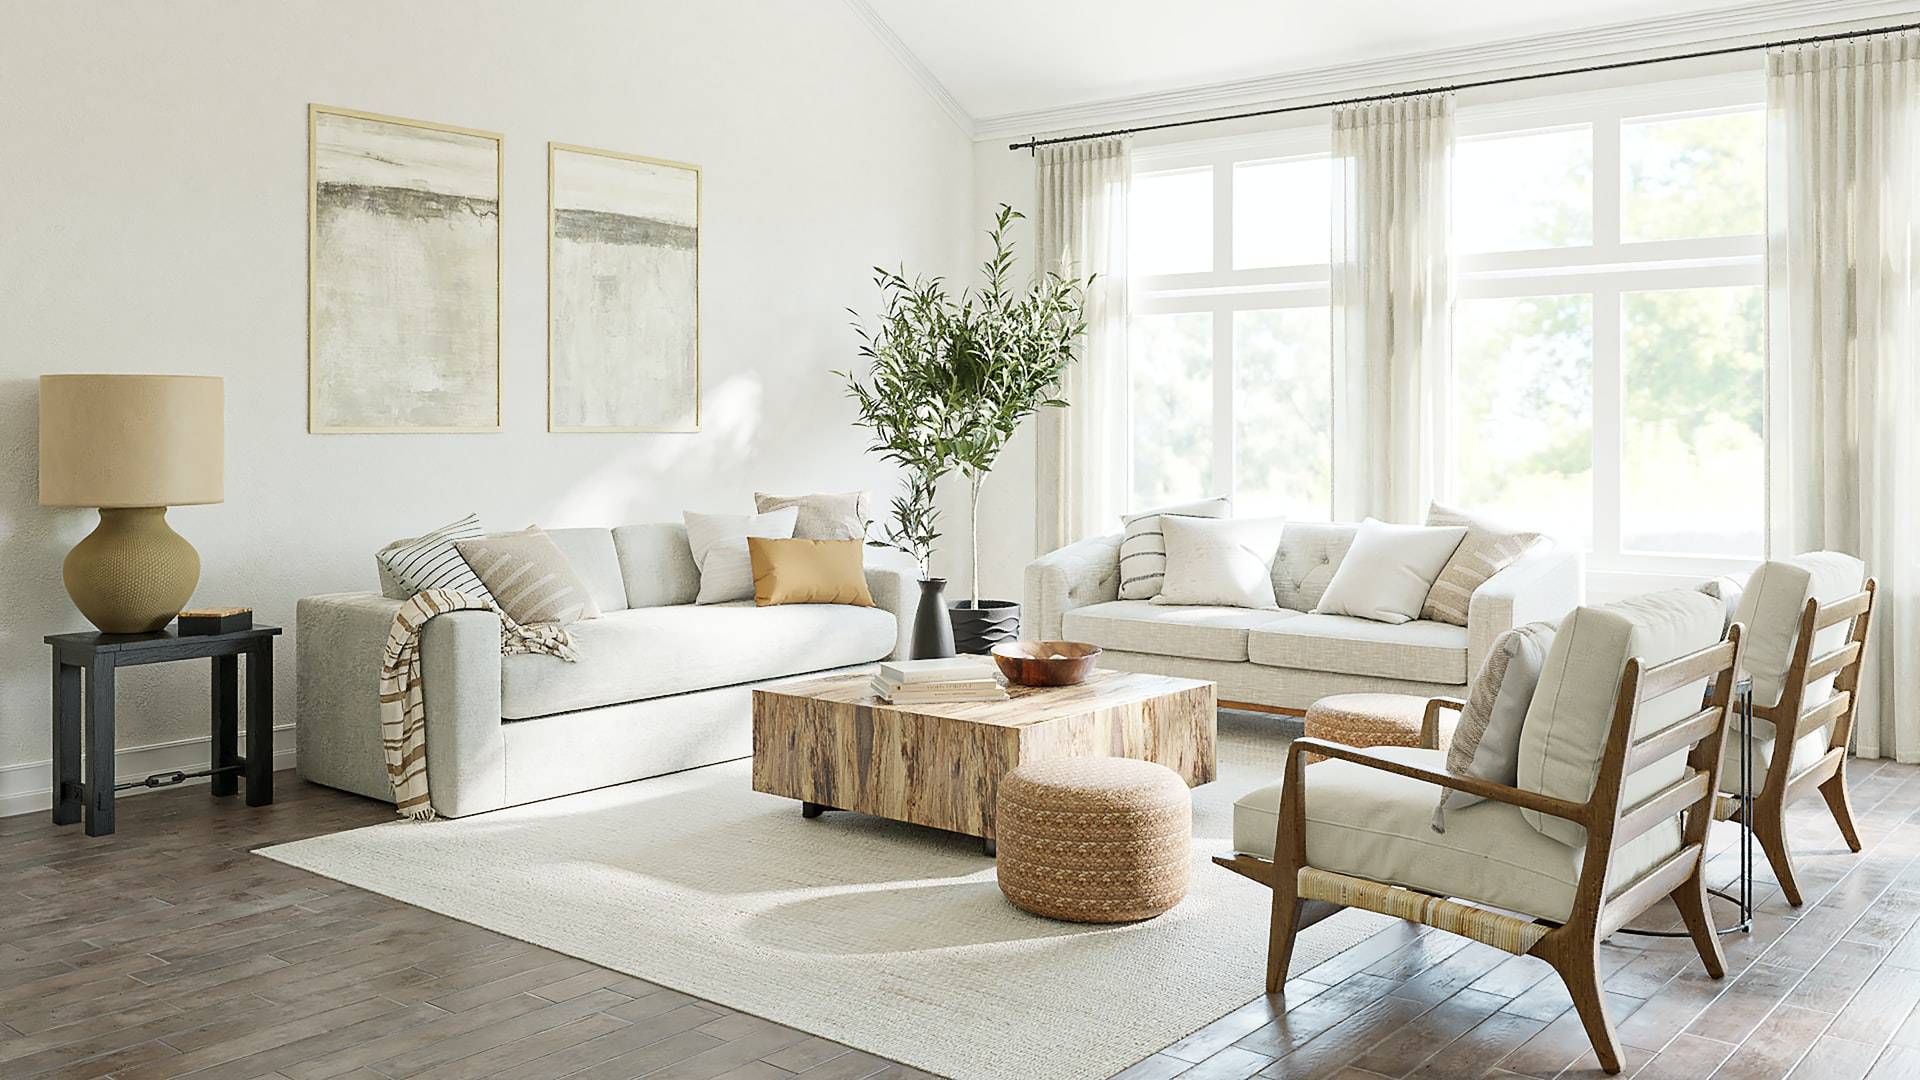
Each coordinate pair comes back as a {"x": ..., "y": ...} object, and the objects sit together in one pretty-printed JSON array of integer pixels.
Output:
[
  {"x": 661, "y": 684},
  {"x": 1290, "y": 658}
]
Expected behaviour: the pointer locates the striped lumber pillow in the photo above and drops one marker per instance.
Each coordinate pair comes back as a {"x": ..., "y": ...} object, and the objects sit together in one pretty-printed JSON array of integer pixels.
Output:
[
  {"x": 432, "y": 562},
  {"x": 1483, "y": 552}
]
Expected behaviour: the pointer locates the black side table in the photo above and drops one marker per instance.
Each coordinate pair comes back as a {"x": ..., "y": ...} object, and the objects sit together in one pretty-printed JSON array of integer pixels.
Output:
[{"x": 92, "y": 658}]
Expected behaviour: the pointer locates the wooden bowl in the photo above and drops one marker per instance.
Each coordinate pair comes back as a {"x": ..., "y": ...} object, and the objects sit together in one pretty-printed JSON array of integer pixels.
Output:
[{"x": 1045, "y": 663}]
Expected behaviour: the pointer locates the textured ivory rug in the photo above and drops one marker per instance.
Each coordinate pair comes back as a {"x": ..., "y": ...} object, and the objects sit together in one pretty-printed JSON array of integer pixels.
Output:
[{"x": 887, "y": 937}]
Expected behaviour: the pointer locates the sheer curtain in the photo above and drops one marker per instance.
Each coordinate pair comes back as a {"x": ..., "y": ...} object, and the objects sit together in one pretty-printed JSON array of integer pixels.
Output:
[
  {"x": 1843, "y": 292},
  {"x": 1080, "y": 222},
  {"x": 1392, "y": 301}
]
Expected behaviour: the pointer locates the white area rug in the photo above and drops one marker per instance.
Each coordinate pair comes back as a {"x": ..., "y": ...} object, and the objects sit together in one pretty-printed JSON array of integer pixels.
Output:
[{"x": 887, "y": 937}]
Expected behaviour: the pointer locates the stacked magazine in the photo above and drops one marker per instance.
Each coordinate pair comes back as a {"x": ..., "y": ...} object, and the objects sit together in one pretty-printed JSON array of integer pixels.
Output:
[{"x": 929, "y": 682}]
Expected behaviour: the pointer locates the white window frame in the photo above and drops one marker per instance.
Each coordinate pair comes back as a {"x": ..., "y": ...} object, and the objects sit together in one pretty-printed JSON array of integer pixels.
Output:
[
  {"x": 1224, "y": 290},
  {"x": 1607, "y": 269}
]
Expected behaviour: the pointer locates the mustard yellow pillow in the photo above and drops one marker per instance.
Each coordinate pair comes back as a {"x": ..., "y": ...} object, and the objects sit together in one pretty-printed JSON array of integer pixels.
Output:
[{"x": 808, "y": 572}]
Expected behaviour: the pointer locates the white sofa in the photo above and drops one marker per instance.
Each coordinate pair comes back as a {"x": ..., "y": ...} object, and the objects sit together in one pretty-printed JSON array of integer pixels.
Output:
[
  {"x": 661, "y": 683},
  {"x": 1288, "y": 659}
]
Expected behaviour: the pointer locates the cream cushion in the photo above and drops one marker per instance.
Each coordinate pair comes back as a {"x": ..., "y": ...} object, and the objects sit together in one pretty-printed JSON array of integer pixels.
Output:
[
  {"x": 1143, "y": 545},
  {"x": 1310, "y": 553},
  {"x": 1770, "y": 610},
  {"x": 1486, "y": 739},
  {"x": 1571, "y": 713},
  {"x": 1389, "y": 570},
  {"x": 1196, "y": 631},
  {"x": 1377, "y": 825},
  {"x": 1225, "y": 561},
  {"x": 652, "y": 652},
  {"x": 719, "y": 545},
  {"x": 1422, "y": 651}
]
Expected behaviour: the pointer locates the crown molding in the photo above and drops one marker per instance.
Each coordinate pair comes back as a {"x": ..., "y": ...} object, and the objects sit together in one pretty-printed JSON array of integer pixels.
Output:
[
  {"x": 1746, "y": 24},
  {"x": 935, "y": 89}
]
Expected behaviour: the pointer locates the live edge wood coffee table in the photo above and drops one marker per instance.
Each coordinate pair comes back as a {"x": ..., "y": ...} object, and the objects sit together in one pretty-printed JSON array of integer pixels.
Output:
[{"x": 834, "y": 745}]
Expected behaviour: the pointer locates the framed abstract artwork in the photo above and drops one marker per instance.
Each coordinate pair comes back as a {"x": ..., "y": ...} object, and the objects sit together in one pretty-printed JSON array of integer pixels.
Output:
[
  {"x": 623, "y": 292},
  {"x": 403, "y": 275}
]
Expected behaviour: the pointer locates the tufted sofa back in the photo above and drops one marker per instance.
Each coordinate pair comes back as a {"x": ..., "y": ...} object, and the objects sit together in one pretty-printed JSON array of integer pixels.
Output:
[{"x": 1309, "y": 553}]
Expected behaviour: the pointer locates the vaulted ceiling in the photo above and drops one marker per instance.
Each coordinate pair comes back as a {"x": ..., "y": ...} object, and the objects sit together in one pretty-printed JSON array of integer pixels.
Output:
[{"x": 1014, "y": 64}]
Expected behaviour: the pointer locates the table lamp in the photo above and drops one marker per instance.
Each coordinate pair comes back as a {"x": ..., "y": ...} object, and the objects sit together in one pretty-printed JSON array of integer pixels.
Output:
[{"x": 132, "y": 445}]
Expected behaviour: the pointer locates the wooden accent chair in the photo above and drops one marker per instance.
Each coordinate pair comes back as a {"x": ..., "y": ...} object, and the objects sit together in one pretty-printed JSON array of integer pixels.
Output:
[
  {"x": 1645, "y": 823},
  {"x": 1807, "y": 621}
]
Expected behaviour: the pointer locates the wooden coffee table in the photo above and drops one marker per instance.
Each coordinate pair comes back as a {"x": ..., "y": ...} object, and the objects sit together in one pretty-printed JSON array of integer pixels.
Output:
[{"x": 831, "y": 743}]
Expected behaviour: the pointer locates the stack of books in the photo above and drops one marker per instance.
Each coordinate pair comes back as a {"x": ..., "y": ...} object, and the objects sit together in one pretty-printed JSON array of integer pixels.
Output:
[{"x": 930, "y": 682}]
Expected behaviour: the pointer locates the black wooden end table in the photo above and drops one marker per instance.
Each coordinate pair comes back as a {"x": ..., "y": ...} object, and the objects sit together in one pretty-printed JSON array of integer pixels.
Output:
[{"x": 90, "y": 660}]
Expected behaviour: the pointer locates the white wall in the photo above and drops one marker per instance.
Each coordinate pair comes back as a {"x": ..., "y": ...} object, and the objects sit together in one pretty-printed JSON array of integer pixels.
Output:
[{"x": 153, "y": 218}]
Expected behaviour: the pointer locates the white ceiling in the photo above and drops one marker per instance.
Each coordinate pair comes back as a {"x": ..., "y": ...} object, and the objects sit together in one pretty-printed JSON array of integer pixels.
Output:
[{"x": 1008, "y": 60}]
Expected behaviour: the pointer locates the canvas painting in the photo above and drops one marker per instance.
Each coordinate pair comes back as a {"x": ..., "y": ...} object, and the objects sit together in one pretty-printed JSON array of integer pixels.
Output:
[
  {"x": 403, "y": 275},
  {"x": 623, "y": 292}
]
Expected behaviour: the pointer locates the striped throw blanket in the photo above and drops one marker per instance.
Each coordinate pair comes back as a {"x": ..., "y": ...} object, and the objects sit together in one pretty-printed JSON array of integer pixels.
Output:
[{"x": 403, "y": 715}]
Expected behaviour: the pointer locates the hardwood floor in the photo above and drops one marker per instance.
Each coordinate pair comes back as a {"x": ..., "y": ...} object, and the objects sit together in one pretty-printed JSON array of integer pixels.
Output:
[{"x": 167, "y": 950}]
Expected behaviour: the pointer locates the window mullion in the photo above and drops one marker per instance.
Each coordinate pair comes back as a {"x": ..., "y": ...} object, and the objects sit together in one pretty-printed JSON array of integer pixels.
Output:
[
  {"x": 1225, "y": 476},
  {"x": 1608, "y": 410}
]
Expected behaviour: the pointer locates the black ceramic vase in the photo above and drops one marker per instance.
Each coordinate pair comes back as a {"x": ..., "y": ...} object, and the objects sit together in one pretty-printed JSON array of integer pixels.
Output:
[
  {"x": 979, "y": 629},
  {"x": 932, "y": 630}
]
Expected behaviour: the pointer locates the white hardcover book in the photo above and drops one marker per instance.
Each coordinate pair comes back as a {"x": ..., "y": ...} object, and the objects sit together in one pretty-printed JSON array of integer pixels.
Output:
[
  {"x": 940, "y": 670},
  {"x": 886, "y": 685}
]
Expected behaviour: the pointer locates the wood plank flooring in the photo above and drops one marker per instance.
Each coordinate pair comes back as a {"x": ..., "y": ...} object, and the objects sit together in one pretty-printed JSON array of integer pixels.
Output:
[{"x": 167, "y": 950}]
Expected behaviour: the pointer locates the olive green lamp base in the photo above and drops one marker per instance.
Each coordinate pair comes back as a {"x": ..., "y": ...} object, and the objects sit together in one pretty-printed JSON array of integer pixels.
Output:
[{"x": 133, "y": 573}]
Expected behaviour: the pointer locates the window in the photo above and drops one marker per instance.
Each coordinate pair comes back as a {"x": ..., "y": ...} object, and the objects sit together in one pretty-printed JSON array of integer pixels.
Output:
[
  {"x": 1229, "y": 362},
  {"x": 1608, "y": 366}
]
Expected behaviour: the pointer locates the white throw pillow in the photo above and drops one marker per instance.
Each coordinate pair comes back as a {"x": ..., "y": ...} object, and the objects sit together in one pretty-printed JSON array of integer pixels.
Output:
[
  {"x": 1221, "y": 561},
  {"x": 431, "y": 561},
  {"x": 1143, "y": 548},
  {"x": 1486, "y": 741},
  {"x": 1389, "y": 570},
  {"x": 719, "y": 543}
]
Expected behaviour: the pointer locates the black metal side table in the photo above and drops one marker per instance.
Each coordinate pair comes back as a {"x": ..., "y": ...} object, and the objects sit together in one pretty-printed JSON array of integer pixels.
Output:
[{"x": 91, "y": 658}]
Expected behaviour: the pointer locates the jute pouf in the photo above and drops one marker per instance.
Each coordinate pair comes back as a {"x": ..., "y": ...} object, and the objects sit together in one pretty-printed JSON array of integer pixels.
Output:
[
  {"x": 1094, "y": 839},
  {"x": 1366, "y": 720}
]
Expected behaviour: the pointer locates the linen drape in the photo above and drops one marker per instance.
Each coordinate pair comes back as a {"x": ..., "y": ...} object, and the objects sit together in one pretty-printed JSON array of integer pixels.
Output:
[
  {"x": 1080, "y": 225},
  {"x": 1392, "y": 302},
  {"x": 1843, "y": 296}
]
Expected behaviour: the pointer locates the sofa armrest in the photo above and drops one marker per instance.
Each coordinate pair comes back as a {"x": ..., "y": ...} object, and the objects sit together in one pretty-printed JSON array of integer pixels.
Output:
[
  {"x": 1544, "y": 584},
  {"x": 1075, "y": 576},
  {"x": 339, "y": 640},
  {"x": 893, "y": 579}
]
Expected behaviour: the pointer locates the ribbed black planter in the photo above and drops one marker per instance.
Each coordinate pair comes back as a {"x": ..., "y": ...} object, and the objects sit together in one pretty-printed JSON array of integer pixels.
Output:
[{"x": 979, "y": 629}]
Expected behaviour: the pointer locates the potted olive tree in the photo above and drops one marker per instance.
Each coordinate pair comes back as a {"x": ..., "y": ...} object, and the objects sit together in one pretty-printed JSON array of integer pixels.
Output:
[{"x": 974, "y": 369}]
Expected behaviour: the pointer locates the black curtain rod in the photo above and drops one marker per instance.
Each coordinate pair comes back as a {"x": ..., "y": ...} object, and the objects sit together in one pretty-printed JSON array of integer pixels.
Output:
[{"x": 1031, "y": 144}]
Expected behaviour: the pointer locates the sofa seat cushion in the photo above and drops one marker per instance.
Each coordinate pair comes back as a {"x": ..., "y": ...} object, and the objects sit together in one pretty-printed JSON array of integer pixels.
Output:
[
  {"x": 1421, "y": 650},
  {"x": 1376, "y": 825},
  {"x": 652, "y": 652},
  {"x": 1195, "y": 631}
]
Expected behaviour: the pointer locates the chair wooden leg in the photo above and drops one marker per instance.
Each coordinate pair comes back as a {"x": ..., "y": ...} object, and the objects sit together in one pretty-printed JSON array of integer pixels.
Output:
[
  {"x": 1838, "y": 801},
  {"x": 1691, "y": 898},
  {"x": 1769, "y": 829},
  {"x": 1579, "y": 969},
  {"x": 1286, "y": 923}
]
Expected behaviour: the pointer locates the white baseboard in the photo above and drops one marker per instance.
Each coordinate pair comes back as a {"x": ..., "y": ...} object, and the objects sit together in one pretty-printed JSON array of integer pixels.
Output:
[{"x": 28, "y": 788}]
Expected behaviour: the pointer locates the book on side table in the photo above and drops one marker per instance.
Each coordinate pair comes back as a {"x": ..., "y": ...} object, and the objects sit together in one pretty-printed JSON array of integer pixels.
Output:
[{"x": 954, "y": 678}]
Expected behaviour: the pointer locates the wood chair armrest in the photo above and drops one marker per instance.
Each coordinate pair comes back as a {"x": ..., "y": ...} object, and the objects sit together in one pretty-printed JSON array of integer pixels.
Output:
[
  {"x": 1486, "y": 789},
  {"x": 1430, "y": 724}
]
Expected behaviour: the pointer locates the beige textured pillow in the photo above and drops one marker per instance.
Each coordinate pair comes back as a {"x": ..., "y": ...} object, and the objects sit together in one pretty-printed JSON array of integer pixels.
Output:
[
  {"x": 822, "y": 517},
  {"x": 1486, "y": 550},
  {"x": 530, "y": 578},
  {"x": 1486, "y": 741}
]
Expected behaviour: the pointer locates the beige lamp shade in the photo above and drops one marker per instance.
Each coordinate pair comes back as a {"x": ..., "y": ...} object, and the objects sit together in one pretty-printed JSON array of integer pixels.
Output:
[{"x": 132, "y": 440}]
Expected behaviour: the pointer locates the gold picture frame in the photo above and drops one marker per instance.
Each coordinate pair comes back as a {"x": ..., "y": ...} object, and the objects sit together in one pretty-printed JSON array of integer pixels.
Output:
[
  {"x": 637, "y": 231},
  {"x": 325, "y": 419}
]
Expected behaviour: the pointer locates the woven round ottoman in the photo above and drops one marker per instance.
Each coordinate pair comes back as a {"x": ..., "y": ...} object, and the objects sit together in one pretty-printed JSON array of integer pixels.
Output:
[
  {"x": 1094, "y": 840},
  {"x": 1366, "y": 720}
]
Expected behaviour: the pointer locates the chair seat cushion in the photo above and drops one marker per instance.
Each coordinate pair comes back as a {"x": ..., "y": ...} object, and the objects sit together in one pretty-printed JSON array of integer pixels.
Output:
[
  {"x": 1420, "y": 651},
  {"x": 652, "y": 652},
  {"x": 1805, "y": 752},
  {"x": 1195, "y": 631},
  {"x": 1379, "y": 826}
]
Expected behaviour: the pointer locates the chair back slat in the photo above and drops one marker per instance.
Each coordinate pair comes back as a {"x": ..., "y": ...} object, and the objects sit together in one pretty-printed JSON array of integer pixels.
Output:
[
  {"x": 1663, "y": 679},
  {"x": 1663, "y": 805},
  {"x": 1831, "y": 662},
  {"x": 1672, "y": 739}
]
